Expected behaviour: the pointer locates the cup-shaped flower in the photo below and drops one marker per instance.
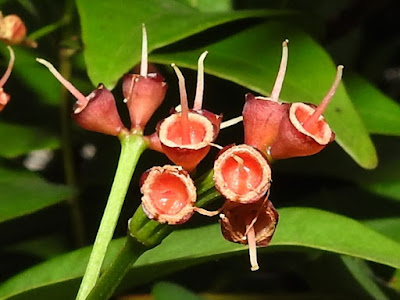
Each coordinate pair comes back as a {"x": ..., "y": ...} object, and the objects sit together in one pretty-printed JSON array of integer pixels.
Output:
[
  {"x": 304, "y": 131},
  {"x": 169, "y": 194},
  {"x": 253, "y": 224},
  {"x": 242, "y": 174},
  {"x": 4, "y": 97},
  {"x": 185, "y": 136},
  {"x": 143, "y": 92},
  {"x": 96, "y": 112},
  {"x": 262, "y": 115}
]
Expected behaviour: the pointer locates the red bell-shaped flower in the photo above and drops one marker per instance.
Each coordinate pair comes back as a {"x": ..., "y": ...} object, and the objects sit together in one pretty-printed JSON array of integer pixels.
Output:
[
  {"x": 253, "y": 224},
  {"x": 185, "y": 136},
  {"x": 96, "y": 112},
  {"x": 304, "y": 130},
  {"x": 143, "y": 92},
  {"x": 262, "y": 115}
]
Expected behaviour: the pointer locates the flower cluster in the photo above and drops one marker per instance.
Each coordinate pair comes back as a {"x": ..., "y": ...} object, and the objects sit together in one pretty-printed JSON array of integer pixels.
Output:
[{"x": 241, "y": 174}]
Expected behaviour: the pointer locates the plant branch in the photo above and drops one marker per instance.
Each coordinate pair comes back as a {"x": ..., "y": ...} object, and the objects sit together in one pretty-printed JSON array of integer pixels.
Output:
[{"x": 132, "y": 146}]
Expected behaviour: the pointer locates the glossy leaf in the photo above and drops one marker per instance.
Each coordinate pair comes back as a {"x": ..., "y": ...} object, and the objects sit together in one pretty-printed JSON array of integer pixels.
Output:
[
  {"x": 118, "y": 31},
  {"x": 303, "y": 227},
  {"x": 380, "y": 114},
  {"x": 251, "y": 58},
  {"x": 23, "y": 193},
  {"x": 18, "y": 140}
]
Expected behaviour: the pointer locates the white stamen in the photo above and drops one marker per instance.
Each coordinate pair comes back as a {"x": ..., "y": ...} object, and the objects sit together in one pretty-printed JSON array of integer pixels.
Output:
[
  {"x": 144, "y": 63},
  {"x": 198, "y": 100},
  {"x": 82, "y": 100},
  {"x": 231, "y": 122},
  {"x": 281, "y": 73}
]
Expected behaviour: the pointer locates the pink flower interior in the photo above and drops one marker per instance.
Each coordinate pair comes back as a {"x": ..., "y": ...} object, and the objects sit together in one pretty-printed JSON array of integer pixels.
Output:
[
  {"x": 242, "y": 177},
  {"x": 197, "y": 132},
  {"x": 169, "y": 194}
]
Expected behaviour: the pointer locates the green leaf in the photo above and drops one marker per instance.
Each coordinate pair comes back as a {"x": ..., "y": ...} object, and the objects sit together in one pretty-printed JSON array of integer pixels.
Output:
[
  {"x": 167, "y": 290},
  {"x": 251, "y": 58},
  {"x": 118, "y": 31},
  {"x": 23, "y": 193},
  {"x": 303, "y": 227},
  {"x": 387, "y": 226},
  {"x": 39, "y": 79},
  {"x": 364, "y": 276},
  {"x": 209, "y": 5},
  {"x": 380, "y": 114},
  {"x": 18, "y": 140}
]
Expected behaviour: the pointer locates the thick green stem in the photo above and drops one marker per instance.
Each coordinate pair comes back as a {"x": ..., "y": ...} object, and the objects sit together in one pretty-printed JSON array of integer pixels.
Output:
[
  {"x": 132, "y": 147},
  {"x": 110, "y": 279}
]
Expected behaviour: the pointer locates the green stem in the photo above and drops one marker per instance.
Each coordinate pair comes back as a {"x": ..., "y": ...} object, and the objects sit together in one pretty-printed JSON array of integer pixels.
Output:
[
  {"x": 132, "y": 146},
  {"x": 144, "y": 234},
  {"x": 110, "y": 279},
  {"x": 41, "y": 32}
]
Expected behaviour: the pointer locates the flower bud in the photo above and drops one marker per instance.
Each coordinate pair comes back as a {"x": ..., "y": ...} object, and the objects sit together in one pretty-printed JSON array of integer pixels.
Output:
[
  {"x": 262, "y": 115},
  {"x": 96, "y": 112},
  {"x": 253, "y": 224},
  {"x": 242, "y": 174},
  {"x": 304, "y": 131},
  {"x": 169, "y": 194},
  {"x": 186, "y": 136},
  {"x": 12, "y": 29},
  {"x": 4, "y": 97},
  {"x": 143, "y": 93}
]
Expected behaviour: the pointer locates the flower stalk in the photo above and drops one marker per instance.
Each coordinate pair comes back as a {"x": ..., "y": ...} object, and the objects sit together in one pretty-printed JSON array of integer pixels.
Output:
[{"x": 132, "y": 146}]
